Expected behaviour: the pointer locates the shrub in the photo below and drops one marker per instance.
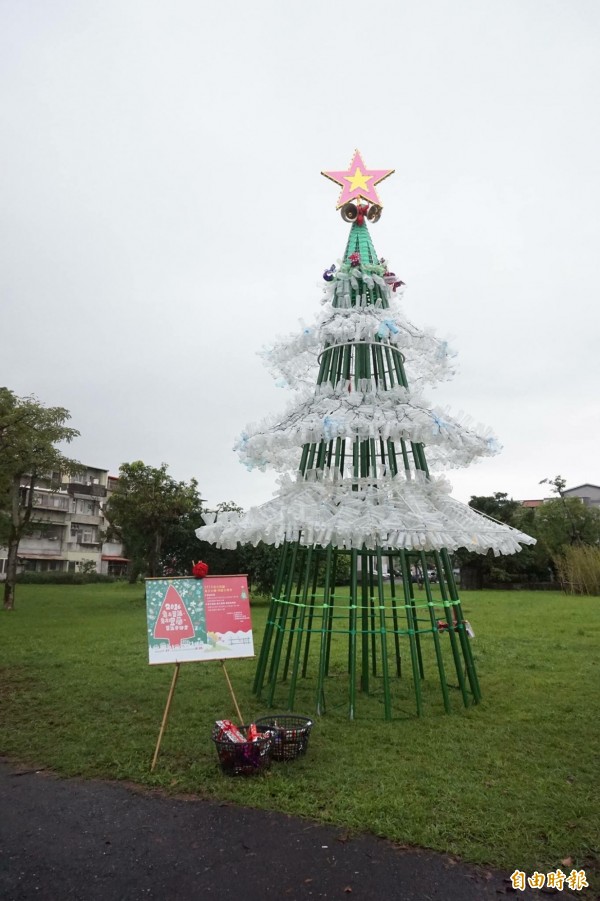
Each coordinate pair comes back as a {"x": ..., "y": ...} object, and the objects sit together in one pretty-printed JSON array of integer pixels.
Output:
[
  {"x": 579, "y": 570},
  {"x": 63, "y": 578}
]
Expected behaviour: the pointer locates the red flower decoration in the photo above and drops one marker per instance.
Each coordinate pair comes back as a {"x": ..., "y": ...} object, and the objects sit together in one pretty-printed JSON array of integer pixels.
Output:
[{"x": 199, "y": 570}]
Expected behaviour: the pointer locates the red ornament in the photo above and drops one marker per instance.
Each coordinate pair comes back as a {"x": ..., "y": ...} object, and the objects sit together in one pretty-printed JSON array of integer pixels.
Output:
[
  {"x": 361, "y": 212},
  {"x": 354, "y": 259},
  {"x": 199, "y": 570},
  {"x": 391, "y": 279}
]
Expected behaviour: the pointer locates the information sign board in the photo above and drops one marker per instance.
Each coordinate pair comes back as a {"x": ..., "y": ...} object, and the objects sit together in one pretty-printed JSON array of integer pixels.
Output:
[{"x": 198, "y": 619}]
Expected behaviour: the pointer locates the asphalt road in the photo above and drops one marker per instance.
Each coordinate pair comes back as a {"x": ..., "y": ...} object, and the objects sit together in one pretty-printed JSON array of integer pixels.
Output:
[{"x": 64, "y": 839}]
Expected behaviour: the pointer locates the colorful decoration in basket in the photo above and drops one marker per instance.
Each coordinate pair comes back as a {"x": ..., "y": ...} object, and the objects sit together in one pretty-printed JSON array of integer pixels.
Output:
[
  {"x": 199, "y": 570},
  {"x": 225, "y": 730},
  {"x": 239, "y": 754},
  {"x": 289, "y": 733},
  {"x": 245, "y": 750}
]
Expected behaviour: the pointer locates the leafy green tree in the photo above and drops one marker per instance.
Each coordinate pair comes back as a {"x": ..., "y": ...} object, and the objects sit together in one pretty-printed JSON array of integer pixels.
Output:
[
  {"x": 566, "y": 521},
  {"x": 151, "y": 513},
  {"x": 29, "y": 433},
  {"x": 180, "y": 545},
  {"x": 220, "y": 561},
  {"x": 531, "y": 563},
  {"x": 260, "y": 562},
  {"x": 499, "y": 506}
]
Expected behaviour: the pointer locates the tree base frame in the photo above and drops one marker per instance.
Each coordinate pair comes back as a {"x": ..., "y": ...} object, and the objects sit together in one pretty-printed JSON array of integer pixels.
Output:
[{"x": 398, "y": 629}]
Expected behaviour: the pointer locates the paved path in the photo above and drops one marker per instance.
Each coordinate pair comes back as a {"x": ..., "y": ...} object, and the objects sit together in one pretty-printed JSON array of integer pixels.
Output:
[{"x": 64, "y": 839}]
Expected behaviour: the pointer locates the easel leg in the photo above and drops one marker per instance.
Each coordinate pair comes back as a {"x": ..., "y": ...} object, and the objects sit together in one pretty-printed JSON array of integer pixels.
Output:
[
  {"x": 165, "y": 715},
  {"x": 235, "y": 703}
]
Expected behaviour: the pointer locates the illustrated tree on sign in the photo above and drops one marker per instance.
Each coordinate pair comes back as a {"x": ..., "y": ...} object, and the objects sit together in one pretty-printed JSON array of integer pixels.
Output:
[
  {"x": 364, "y": 498},
  {"x": 173, "y": 621}
]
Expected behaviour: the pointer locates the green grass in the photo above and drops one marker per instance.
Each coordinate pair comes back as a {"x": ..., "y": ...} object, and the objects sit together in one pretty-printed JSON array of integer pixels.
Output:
[{"x": 512, "y": 782}]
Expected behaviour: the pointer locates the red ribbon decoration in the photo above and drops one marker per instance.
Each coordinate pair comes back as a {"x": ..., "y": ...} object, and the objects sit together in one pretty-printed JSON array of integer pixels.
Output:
[{"x": 199, "y": 570}]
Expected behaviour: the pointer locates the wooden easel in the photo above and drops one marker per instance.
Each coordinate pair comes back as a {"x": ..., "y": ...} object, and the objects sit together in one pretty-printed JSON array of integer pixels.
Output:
[{"x": 163, "y": 725}]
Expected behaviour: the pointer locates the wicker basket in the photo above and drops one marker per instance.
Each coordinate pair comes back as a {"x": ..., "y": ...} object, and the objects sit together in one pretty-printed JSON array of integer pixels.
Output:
[
  {"x": 290, "y": 734},
  {"x": 248, "y": 758}
]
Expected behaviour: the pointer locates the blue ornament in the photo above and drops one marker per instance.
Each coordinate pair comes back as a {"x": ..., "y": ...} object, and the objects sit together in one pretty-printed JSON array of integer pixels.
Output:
[{"x": 328, "y": 274}]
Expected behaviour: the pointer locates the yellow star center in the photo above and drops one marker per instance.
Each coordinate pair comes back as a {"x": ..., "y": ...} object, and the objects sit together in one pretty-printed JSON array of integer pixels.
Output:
[{"x": 358, "y": 180}]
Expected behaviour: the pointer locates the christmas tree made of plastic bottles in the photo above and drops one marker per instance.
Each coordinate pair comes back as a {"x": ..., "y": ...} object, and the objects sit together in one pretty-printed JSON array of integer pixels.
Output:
[{"x": 365, "y": 588}]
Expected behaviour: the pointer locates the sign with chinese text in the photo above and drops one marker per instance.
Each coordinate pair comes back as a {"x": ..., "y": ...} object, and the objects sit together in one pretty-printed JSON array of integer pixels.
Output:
[{"x": 198, "y": 619}]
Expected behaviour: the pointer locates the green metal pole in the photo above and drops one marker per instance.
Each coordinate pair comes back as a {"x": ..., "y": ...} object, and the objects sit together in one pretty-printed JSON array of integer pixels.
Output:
[
  {"x": 411, "y": 601},
  {"x": 372, "y": 629},
  {"x": 395, "y": 617},
  {"x": 412, "y": 628},
  {"x": 331, "y": 609},
  {"x": 264, "y": 652},
  {"x": 296, "y": 663},
  {"x": 364, "y": 680},
  {"x": 387, "y": 703},
  {"x": 352, "y": 638},
  {"x": 436, "y": 637},
  {"x": 323, "y": 649},
  {"x": 281, "y": 626},
  {"x": 462, "y": 635},
  {"x": 295, "y": 609},
  {"x": 311, "y": 611},
  {"x": 404, "y": 455},
  {"x": 453, "y": 643}
]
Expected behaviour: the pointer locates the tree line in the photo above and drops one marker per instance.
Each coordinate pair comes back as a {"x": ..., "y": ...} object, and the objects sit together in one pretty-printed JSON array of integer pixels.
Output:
[
  {"x": 152, "y": 514},
  {"x": 29, "y": 433},
  {"x": 155, "y": 516},
  {"x": 559, "y": 525}
]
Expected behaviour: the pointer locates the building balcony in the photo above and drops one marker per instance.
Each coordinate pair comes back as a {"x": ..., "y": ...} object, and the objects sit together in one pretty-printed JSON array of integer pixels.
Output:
[
  {"x": 56, "y": 503},
  {"x": 83, "y": 545},
  {"x": 43, "y": 547},
  {"x": 86, "y": 519},
  {"x": 78, "y": 488}
]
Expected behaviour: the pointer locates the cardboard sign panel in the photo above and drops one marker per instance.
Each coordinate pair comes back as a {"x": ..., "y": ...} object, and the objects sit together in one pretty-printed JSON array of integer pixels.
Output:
[{"x": 198, "y": 619}]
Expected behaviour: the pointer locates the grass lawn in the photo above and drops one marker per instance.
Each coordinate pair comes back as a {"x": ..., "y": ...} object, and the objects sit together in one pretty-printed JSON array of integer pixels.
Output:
[{"x": 512, "y": 782}]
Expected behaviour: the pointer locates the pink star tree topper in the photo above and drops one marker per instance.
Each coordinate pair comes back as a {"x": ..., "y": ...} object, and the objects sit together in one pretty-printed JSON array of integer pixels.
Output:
[{"x": 358, "y": 181}]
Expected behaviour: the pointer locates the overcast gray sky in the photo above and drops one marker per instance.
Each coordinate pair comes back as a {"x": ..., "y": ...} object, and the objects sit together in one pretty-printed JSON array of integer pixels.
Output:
[{"x": 163, "y": 216}]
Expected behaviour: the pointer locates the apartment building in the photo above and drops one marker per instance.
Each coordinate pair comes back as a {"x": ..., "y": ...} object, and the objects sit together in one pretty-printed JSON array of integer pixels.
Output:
[
  {"x": 68, "y": 524},
  {"x": 587, "y": 493}
]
